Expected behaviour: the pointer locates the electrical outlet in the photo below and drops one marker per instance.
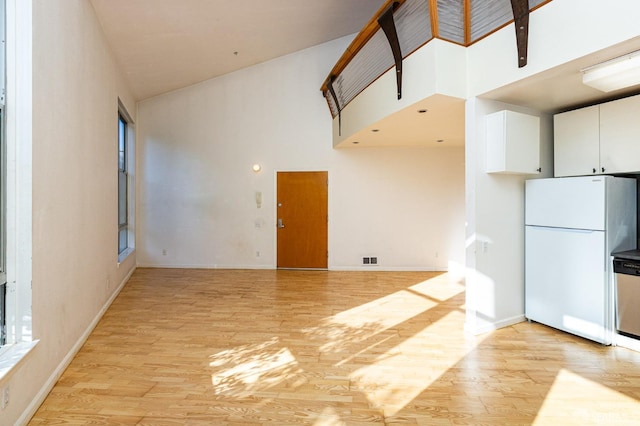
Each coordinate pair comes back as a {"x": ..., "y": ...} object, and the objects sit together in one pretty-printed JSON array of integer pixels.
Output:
[
  {"x": 4, "y": 397},
  {"x": 257, "y": 253},
  {"x": 366, "y": 260},
  {"x": 164, "y": 252},
  {"x": 374, "y": 260}
]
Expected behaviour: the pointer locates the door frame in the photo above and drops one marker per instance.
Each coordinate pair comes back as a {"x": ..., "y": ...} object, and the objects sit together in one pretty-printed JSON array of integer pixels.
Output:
[{"x": 275, "y": 210}]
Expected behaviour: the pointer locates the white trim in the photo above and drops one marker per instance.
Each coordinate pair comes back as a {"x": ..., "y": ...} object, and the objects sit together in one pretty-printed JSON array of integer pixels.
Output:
[
  {"x": 626, "y": 342},
  {"x": 378, "y": 268},
  {"x": 19, "y": 169},
  {"x": 470, "y": 328},
  {"x": 202, "y": 266},
  {"x": 125, "y": 254},
  {"x": 62, "y": 366},
  {"x": 12, "y": 355},
  {"x": 271, "y": 267}
]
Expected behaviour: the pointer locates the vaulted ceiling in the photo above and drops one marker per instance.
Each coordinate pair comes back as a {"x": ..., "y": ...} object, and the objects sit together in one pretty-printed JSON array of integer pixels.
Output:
[{"x": 162, "y": 45}]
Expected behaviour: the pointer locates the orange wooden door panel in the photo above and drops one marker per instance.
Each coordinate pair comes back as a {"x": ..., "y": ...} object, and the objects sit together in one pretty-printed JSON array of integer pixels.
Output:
[{"x": 302, "y": 211}]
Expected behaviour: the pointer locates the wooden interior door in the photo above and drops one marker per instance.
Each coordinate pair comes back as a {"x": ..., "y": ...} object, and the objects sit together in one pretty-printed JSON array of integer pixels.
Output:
[{"x": 302, "y": 217}]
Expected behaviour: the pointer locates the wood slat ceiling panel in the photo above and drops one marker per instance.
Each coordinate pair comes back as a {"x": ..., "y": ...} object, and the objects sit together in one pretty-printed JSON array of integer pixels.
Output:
[
  {"x": 451, "y": 20},
  {"x": 370, "y": 63},
  {"x": 486, "y": 16},
  {"x": 413, "y": 25}
]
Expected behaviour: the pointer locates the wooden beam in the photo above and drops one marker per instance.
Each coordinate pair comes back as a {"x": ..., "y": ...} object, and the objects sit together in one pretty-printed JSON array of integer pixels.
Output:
[
  {"x": 521, "y": 20},
  {"x": 433, "y": 15},
  {"x": 361, "y": 39},
  {"x": 467, "y": 22}
]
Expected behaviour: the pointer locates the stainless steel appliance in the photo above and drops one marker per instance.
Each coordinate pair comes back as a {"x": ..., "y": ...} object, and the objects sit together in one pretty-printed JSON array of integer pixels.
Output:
[{"x": 626, "y": 266}]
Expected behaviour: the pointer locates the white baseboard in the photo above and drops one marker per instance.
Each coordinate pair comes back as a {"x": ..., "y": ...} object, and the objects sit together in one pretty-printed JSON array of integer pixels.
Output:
[
  {"x": 53, "y": 379},
  {"x": 377, "y": 268},
  {"x": 473, "y": 329},
  {"x": 370, "y": 268},
  {"x": 201, "y": 266},
  {"x": 626, "y": 342}
]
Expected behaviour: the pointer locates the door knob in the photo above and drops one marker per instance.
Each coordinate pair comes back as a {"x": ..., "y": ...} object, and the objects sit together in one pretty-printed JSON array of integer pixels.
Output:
[{"x": 280, "y": 224}]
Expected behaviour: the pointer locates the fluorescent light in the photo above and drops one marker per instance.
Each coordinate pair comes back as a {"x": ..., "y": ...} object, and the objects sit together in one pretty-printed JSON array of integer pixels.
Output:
[{"x": 615, "y": 74}]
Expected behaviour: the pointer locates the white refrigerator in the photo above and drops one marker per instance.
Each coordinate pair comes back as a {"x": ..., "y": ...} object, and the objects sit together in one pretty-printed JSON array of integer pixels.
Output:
[{"x": 573, "y": 225}]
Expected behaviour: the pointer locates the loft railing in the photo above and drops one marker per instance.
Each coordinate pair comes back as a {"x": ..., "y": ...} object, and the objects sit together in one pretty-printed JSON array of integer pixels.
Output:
[{"x": 400, "y": 27}]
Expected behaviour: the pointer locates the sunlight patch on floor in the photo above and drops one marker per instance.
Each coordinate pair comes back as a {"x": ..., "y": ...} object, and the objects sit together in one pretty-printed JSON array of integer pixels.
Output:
[
  {"x": 397, "y": 377},
  {"x": 360, "y": 323},
  {"x": 440, "y": 288},
  {"x": 329, "y": 417},
  {"x": 575, "y": 400},
  {"x": 399, "y": 337},
  {"x": 246, "y": 369}
]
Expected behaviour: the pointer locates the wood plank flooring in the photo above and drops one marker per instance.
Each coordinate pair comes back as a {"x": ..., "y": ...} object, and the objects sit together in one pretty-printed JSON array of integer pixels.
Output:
[{"x": 222, "y": 347}]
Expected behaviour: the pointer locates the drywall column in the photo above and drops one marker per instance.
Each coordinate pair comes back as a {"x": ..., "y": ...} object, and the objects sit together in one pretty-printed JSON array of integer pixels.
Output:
[{"x": 495, "y": 225}]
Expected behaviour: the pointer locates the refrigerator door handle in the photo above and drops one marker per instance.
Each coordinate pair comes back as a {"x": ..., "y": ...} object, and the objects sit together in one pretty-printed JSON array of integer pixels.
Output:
[{"x": 578, "y": 231}]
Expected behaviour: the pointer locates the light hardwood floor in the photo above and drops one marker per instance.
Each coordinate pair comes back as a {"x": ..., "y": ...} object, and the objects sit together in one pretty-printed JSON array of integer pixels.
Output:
[{"x": 220, "y": 347}]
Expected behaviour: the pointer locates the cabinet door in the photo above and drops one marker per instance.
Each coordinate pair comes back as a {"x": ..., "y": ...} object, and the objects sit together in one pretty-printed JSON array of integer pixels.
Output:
[
  {"x": 576, "y": 142},
  {"x": 620, "y": 136},
  {"x": 513, "y": 143}
]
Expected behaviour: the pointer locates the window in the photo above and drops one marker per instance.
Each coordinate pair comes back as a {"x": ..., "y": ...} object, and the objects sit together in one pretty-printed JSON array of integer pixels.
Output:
[
  {"x": 16, "y": 167},
  {"x": 3, "y": 227},
  {"x": 125, "y": 187},
  {"x": 3, "y": 185},
  {"x": 123, "y": 177}
]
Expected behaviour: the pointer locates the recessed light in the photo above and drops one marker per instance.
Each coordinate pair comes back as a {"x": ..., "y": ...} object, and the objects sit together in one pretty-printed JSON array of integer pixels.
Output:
[
  {"x": 355, "y": 142},
  {"x": 440, "y": 140},
  {"x": 422, "y": 111},
  {"x": 375, "y": 130}
]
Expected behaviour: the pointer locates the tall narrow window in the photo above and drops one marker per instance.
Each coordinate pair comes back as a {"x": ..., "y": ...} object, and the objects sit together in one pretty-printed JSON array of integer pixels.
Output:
[
  {"x": 3, "y": 185},
  {"x": 3, "y": 227},
  {"x": 126, "y": 174},
  {"x": 123, "y": 186}
]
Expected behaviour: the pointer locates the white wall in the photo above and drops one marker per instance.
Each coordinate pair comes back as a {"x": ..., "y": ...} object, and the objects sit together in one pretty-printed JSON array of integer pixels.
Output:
[
  {"x": 559, "y": 32},
  {"x": 403, "y": 205},
  {"x": 75, "y": 273},
  {"x": 196, "y": 196}
]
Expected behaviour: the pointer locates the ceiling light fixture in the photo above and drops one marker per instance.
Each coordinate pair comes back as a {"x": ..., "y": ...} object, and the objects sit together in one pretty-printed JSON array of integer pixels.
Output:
[
  {"x": 614, "y": 74},
  {"x": 422, "y": 111}
]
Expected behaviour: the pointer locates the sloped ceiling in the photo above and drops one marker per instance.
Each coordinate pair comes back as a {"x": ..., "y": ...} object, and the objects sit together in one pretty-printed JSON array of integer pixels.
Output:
[{"x": 162, "y": 45}]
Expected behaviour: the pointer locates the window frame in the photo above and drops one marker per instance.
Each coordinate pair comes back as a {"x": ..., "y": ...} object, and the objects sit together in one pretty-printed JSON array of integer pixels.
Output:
[
  {"x": 3, "y": 180},
  {"x": 126, "y": 165}
]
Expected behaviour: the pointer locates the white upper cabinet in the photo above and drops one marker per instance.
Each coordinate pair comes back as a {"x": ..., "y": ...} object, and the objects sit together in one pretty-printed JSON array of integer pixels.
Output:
[
  {"x": 513, "y": 143},
  {"x": 576, "y": 147},
  {"x": 599, "y": 139},
  {"x": 620, "y": 136}
]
